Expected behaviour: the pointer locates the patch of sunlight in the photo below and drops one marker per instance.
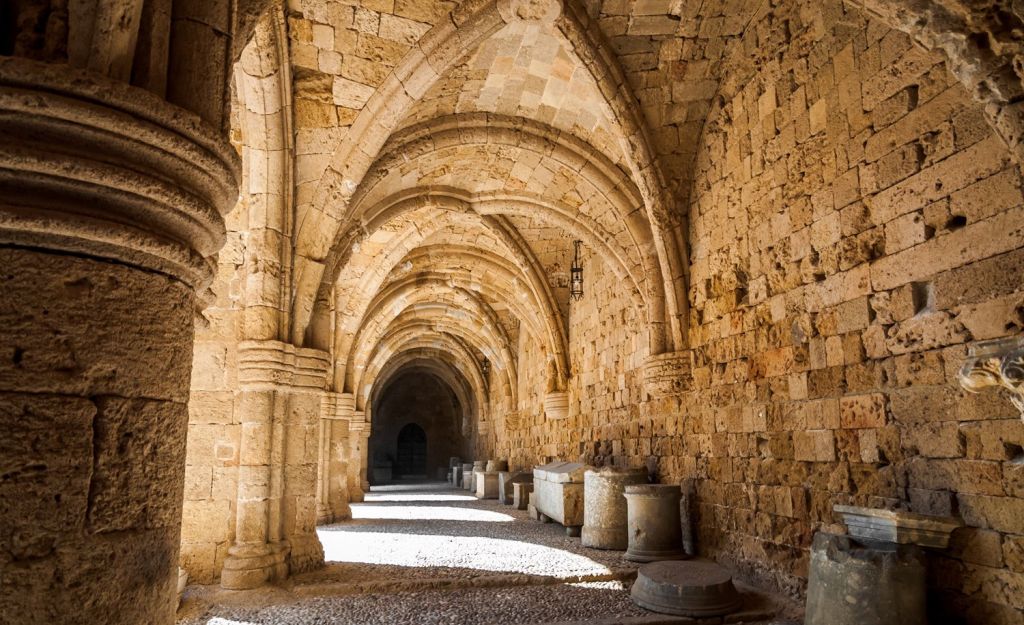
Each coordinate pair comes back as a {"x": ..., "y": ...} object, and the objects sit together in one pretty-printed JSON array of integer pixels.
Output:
[
  {"x": 223, "y": 621},
  {"x": 428, "y": 513},
  {"x": 375, "y": 497},
  {"x": 466, "y": 552},
  {"x": 612, "y": 585}
]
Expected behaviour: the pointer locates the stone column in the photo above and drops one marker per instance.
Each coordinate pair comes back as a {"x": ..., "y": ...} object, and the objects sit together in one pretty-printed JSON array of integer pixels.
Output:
[
  {"x": 275, "y": 524},
  {"x": 358, "y": 435},
  {"x": 335, "y": 417},
  {"x": 364, "y": 451},
  {"x": 111, "y": 204}
]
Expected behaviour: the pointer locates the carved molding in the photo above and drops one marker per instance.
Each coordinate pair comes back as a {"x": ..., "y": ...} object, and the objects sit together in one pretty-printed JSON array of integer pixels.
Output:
[
  {"x": 996, "y": 363},
  {"x": 338, "y": 406},
  {"x": 668, "y": 374},
  {"x": 556, "y": 405},
  {"x": 92, "y": 166},
  {"x": 277, "y": 366}
]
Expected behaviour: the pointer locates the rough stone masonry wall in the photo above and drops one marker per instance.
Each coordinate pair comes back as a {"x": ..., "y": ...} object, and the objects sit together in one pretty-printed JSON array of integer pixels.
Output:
[
  {"x": 607, "y": 345},
  {"x": 214, "y": 428},
  {"x": 854, "y": 223}
]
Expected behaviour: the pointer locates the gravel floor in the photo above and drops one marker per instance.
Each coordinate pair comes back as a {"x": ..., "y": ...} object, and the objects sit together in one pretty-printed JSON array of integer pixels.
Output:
[{"x": 430, "y": 554}]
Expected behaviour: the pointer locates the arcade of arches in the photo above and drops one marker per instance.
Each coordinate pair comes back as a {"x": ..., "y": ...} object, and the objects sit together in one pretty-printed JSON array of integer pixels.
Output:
[{"x": 243, "y": 244}]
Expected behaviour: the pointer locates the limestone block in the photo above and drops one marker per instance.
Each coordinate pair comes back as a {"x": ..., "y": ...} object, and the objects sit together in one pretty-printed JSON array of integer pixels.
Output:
[
  {"x": 897, "y": 526},
  {"x": 486, "y": 484},
  {"x": 521, "y": 492},
  {"x": 558, "y": 492},
  {"x": 604, "y": 506}
]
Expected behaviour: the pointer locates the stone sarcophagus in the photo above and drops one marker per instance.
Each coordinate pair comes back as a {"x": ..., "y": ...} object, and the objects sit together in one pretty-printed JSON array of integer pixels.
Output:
[{"x": 558, "y": 493}]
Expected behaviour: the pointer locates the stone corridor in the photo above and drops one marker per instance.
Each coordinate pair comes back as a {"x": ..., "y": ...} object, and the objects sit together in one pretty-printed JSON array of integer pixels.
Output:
[
  {"x": 432, "y": 554},
  {"x": 259, "y": 257}
]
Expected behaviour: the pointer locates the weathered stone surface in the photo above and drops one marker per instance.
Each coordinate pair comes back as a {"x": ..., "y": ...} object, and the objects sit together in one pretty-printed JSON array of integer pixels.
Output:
[
  {"x": 790, "y": 238},
  {"x": 697, "y": 588},
  {"x": 604, "y": 506},
  {"x": 850, "y": 583},
  {"x": 652, "y": 520},
  {"x": 558, "y": 492},
  {"x": 897, "y": 526}
]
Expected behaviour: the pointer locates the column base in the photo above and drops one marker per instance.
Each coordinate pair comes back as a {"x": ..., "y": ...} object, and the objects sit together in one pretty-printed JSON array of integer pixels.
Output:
[
  {"x": 324, "y": 516},
  {"x": 342, "y": 512},
  {"x": 307, "y": 554},
  {"x": 251, "y": 566}
]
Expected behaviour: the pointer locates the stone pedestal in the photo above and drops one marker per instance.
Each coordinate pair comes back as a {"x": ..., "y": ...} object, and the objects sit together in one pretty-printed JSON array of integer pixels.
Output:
[
  {"x": 111, "y": 204},
  {"x": 521, "y": 492},
  {"x": 604, "y": 506},
  {"x": 850, "y": 583},
  {"x": 467, "y": 476},
  {"x": 558, "y": 493},
  {"x": 456, "y": 476},
  {"x": 505, "y": 482},
  {"x": 486, "y": 484},
  {"x": 652, "y": 519},
  {"x": 496, "y": 465},
  {"x": 698, "y": 589}
]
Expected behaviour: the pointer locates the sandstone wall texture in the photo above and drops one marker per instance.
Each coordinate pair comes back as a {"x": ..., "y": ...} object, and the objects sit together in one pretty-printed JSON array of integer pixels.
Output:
[{"x": 796, "y": 220}]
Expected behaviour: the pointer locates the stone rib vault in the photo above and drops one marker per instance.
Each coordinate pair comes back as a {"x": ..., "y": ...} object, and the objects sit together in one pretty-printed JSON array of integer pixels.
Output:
[{"x": 245, "y": 243}]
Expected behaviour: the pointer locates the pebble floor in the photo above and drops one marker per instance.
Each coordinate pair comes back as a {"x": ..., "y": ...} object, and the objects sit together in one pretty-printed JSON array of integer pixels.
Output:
[{"x": 431, "y": 554}]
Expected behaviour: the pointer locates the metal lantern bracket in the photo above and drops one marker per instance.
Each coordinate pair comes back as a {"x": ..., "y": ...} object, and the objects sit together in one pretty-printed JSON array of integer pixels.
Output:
[{"x": 576, "y": 274}]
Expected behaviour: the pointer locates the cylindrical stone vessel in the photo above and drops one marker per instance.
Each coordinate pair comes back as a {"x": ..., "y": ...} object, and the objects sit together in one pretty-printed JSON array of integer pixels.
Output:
[
  {"x": 851, "y": 583},
  {"x": 497, "y": 465},
  {"x": 652, "y": 520},
  {"x": 604, "y": 506},
  {"x": 467, "y": 475}
]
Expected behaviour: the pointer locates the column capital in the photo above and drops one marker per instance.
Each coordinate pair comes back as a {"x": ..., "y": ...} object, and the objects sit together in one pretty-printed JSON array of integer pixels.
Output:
[
  {"x": 92, "y": 166},
  {"x": 997, "y": 363},
  {"x": 274, "y": 365},
  {"x": 667, "y": 374}
]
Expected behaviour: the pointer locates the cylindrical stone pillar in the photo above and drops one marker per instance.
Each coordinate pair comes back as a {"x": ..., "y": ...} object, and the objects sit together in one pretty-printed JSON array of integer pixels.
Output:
[
  {"x": 652, "y": 520},
  {"x": 110, "y": 205},
  {"x": 604, "y": 506},
  {"x": 850, "y": 583}
]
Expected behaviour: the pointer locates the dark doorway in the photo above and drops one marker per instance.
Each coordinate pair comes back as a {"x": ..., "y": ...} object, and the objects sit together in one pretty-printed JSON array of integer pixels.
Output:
[{"x": 412, "y": 452}]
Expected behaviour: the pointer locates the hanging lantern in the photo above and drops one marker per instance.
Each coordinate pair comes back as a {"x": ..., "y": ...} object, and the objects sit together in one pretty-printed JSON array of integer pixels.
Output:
[{"x": 576, "y": 274}]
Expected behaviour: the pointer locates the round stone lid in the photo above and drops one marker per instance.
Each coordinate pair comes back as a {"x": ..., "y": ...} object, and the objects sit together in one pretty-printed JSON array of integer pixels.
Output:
[
  {"x": 653, "y": 490},
  {"x": 687, "y": 588}
]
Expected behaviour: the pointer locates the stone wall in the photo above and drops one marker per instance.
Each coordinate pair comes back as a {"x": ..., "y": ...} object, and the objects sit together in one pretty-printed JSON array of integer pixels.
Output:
[
  {"x": 608, "y": 343},
  {"x": 214, "y": 429},
  {"x": 854, "y": 223}
]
